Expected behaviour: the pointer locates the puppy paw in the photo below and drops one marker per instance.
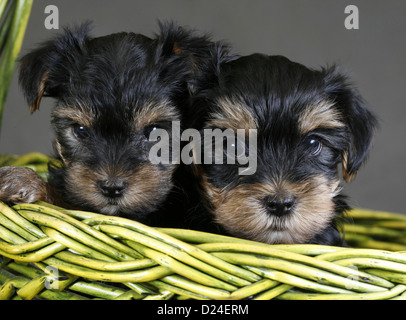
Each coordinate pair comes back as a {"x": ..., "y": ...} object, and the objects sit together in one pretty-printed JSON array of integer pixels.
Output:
[{"x": 19, "y": 185}]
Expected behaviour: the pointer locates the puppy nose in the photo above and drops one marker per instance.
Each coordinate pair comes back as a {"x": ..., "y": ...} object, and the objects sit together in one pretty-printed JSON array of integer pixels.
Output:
[
  {"x": 279, "y": 206},
  {"x": 112, "y": 188}
]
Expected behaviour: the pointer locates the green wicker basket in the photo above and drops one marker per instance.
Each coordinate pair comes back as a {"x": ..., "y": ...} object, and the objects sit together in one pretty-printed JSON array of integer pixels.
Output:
[{"x": 48, "y": 252}]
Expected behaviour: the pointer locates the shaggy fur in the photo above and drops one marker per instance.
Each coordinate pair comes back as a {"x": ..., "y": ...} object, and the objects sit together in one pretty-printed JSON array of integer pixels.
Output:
[{"x": 307, "y": 123}]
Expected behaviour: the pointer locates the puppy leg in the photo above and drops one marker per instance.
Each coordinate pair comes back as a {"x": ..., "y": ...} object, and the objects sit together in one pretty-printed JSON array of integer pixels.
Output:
[{"x": 19, "y": 184}]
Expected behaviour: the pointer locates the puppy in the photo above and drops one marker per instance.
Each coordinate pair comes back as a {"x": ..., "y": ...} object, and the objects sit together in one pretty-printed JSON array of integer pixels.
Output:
[
  {"x": 306, "y": 123},
  {"x": 111, "y": 92}
]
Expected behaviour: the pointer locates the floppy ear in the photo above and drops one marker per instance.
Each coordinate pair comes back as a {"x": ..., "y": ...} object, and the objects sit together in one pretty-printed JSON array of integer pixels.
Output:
[
  {"x": 199, "y": 54},
  {"x": 361, "y": 122},
  {"x": 45, "y": 70}
]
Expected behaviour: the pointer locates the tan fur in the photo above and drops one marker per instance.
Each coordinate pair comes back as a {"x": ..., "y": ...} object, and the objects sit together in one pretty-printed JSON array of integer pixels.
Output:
[
  {"x": 348, "y": 177},
  {"x": 233, "y": 115},
  {"x": 241, "y": 210},
  {"x": 77, "y": 114},
  {"x": 145, "y": 186},
  {"x": 20, "y": 184},
  {"x": 154, "y": 112},
  {"x": 41, "y": 89},
  {"x": 321, "y": 115},
  {"x": 59, "y": 150},
  {"x": 150, "y": 113}
]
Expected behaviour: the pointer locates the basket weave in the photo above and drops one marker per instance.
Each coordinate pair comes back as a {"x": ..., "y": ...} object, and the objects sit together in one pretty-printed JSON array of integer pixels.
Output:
[{"x": 51, "y": 253}]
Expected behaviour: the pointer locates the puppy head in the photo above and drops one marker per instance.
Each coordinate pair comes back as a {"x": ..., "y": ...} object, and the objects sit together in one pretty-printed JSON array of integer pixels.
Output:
[
  {"x": 111, "y": 92},
  {"x": 307, "y": 123}
]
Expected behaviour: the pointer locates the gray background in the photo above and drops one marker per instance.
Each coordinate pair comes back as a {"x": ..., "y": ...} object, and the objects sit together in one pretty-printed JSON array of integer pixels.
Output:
[{"x": 311, "y": 32}]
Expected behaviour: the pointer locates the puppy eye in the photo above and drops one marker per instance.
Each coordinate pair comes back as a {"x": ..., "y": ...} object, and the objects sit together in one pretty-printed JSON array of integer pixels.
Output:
[
  {"x": 314, "y": 145},
  {"x": 147, "y": 133},
  {"x": 235, "y": 149},
  {"x": 81, "y": 132}
]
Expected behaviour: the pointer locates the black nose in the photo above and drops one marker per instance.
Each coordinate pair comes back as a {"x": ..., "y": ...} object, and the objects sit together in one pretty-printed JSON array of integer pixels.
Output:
[
  {"x": 112, "y": 188},
  {"x": 279, "y": 206}
]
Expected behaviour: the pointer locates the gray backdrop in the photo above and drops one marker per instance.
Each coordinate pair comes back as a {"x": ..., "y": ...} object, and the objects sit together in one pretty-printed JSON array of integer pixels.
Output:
[{"x": 311, "y": 32}]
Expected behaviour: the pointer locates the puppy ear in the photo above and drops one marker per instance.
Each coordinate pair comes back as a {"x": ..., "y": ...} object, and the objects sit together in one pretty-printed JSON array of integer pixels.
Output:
[
  {"x": 361, "y": 122},
  {"x": 45, "y": 70},
  {"x": 198, "y": 53}
]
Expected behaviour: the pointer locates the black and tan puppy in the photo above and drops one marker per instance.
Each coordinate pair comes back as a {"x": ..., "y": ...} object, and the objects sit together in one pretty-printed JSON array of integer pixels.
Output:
[
  {"x": 111, "y": 92},
  {"x": 306, "y": 123}
]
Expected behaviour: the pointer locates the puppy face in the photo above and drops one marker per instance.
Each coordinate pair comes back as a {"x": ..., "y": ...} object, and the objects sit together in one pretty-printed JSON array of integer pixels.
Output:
[
  {"x": 106, "y": 156},
  {"x": 111, "y": 93},
  {"x": 307, "y": 123}
]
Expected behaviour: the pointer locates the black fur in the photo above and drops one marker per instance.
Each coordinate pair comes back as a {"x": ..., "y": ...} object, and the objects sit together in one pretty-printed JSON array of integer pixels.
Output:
[
  {"x": 102, "y": 85},
  {"x": 276, "y": 91},
  {"x": 110, "y": 79}
]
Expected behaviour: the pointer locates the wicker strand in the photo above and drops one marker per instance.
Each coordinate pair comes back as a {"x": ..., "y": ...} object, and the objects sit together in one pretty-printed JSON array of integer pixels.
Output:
[
  {"x": 52, "y": 253},
  {"x": 135, "y": 261}
]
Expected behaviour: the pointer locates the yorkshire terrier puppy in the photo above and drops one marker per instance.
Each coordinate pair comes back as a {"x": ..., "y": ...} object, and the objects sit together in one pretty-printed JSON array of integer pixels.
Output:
[
  {"x": 111, "y": 92},
  {"x": 306, "y": 122}
]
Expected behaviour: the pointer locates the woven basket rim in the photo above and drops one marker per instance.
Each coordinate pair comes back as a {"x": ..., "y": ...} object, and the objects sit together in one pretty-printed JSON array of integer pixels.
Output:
[
  {"x": 47, "y": 252},
  {"x": 173, "y": 263}
]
